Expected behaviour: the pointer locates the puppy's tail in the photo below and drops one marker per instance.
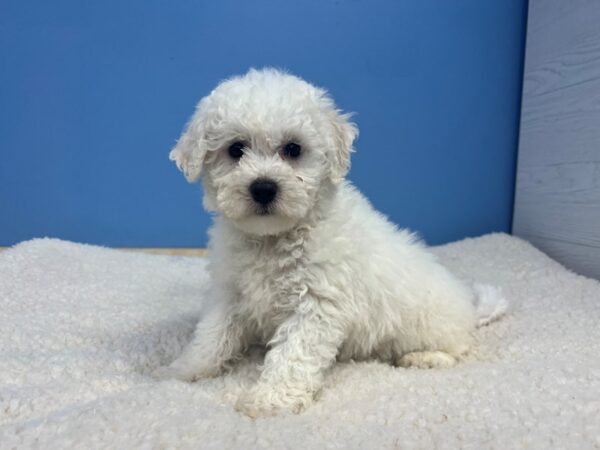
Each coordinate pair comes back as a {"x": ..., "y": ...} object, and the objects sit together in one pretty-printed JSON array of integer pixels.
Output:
[{"x": 490, "y": 304}]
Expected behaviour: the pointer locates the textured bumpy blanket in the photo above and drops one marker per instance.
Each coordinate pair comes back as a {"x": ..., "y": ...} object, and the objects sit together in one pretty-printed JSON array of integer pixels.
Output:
[{"x": 82, "y": 327}]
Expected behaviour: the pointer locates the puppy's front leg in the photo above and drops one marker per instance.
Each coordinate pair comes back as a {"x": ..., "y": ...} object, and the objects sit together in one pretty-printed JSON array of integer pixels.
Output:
[
  {"x": 218, "y": 338},
  {"x": 303, "y": 347}
]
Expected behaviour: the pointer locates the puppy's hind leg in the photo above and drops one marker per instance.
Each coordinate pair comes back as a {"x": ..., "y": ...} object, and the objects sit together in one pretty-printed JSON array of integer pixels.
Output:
[{"x": 426, "y": 360}]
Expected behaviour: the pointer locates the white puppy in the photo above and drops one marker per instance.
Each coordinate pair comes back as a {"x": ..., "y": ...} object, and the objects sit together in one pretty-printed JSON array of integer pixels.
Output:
[{"x": 300, "y": 261}]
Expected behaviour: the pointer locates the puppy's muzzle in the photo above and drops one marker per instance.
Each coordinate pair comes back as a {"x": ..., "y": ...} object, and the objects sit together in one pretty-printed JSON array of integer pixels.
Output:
[{"x": 263, "y": 191}]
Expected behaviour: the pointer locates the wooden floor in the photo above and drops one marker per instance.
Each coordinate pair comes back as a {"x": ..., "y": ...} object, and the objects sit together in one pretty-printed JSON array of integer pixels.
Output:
[
  {"x": 161, "y": 251},
  {"x": 170, "y": 251}
]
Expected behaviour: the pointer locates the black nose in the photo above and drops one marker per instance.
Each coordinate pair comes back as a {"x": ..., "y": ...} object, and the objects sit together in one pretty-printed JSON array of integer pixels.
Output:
[{"x": 263, "y": 191}]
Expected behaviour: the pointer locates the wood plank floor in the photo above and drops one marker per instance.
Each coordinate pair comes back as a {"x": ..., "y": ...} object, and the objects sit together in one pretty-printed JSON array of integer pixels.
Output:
[
  {"x": 160, "y": 251},
  {"x": 170, "y": 251}
]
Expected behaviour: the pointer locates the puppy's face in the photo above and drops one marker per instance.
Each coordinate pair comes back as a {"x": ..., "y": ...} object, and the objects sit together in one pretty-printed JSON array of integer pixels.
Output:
[{"x": 266, "y": 144}]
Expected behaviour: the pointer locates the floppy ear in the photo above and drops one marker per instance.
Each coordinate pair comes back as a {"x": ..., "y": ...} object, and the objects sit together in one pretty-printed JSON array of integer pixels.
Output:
[
  {"x": 190, "y": 150},
  {"x": 344, "y": 134}
]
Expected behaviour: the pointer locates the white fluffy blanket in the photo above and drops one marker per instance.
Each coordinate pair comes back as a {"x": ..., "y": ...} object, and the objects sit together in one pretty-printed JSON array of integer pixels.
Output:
[{"x": 82, "y": 326}]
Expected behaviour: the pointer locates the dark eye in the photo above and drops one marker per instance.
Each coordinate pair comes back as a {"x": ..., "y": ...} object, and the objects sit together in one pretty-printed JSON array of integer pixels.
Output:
[
  {"x": 236, "y": 150},
  {"x": 292, "y": 150}
]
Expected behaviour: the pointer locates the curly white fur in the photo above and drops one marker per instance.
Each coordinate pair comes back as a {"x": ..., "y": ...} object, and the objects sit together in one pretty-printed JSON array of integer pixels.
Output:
[{"x": 322, "y": 275}]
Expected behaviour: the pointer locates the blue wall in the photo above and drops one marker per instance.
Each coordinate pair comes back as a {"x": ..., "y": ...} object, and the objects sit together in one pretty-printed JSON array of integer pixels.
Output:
[{"x": 94, "y": 94}]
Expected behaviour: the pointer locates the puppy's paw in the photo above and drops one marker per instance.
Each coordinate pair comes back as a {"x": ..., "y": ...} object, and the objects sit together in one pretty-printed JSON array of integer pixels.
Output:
[
  {"x": 263, "y": 400},
  {"x": 172, "y": 372},
  {"x": 426, "y": 360}
]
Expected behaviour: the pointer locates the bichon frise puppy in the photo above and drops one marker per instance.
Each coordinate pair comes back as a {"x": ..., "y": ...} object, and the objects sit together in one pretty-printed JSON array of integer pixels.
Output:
[{"x": 300, "y": 261}]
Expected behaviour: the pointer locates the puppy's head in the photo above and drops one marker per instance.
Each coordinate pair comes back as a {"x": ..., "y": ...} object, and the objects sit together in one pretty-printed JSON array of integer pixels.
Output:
[{"x": 266, "y": 145}]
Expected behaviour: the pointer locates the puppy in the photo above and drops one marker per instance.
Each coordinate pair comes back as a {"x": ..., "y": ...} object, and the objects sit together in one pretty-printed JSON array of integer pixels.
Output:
[{"x": 300, "y": 261}]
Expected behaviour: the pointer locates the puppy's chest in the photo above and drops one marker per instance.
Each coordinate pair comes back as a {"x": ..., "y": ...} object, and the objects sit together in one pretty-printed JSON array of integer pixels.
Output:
[{"x": 271, "y": 282}]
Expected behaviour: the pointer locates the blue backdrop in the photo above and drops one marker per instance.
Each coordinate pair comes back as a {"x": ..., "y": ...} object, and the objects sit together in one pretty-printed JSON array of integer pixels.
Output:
[{"x": 94, "y": 94}]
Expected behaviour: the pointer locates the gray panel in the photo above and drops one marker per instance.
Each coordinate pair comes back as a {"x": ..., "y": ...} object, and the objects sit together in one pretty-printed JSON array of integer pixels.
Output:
[{"x": 557, "y": 201}]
